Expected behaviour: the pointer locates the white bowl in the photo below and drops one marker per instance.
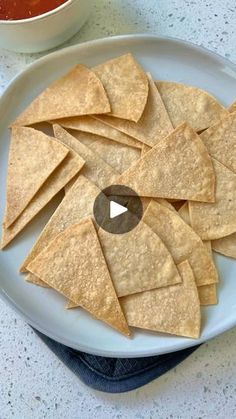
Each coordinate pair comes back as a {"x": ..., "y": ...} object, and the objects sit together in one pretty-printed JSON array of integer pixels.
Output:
[{"x": 45, "y": 31}]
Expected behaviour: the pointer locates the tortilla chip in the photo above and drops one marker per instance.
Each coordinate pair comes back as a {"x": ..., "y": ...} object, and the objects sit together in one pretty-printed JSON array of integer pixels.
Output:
[
  {"x": 33, "y": 157},
  {"x": 84, "y": 137},
  {"x": 174, "y": 310},
  {"x": 215, "y": 220},
  {"x": 126, "y": 86},
  {"x": 137, "y": 260},
  {"x": 232, "y": 108},
  {"x": 220, "y": 141},
  {"x": 66, "y": 171},
  {"x": 95, "y": 169},
  {"x": 79, "y": 92},
  {"x": 77, "y": 252},
  {"x": 145, "y": 149},
  {"x": 152, "y": 126},
  {"x": 118, "y": 156},
  {"x": 31, "y": 278},
  {"x": 184, "y": 213},
  {"x": 181, "y": 241},
  {"x": 190, "y": 104},
  {"x": 207, "y": 295},
  {"x": 178, "y": 167},
  {"x": 77, "y": 204},
  {"x": 94, "y": 126},
  {"x": 226, "y": 246}
]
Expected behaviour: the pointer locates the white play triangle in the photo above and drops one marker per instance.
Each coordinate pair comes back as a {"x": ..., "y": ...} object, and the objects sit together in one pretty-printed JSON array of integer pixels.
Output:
[{"x": 116, "y": 209}]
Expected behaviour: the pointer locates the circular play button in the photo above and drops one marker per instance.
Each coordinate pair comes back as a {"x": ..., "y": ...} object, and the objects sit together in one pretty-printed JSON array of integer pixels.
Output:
[{"x": 118, "y": 209}]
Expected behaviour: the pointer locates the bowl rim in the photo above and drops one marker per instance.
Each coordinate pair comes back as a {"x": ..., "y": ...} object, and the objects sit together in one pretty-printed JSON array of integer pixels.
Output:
[{"x": 38, "y": 17}]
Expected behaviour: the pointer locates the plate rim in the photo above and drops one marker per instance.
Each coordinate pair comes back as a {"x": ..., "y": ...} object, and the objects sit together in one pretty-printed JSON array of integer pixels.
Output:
[{"x": 30, "y": 67}]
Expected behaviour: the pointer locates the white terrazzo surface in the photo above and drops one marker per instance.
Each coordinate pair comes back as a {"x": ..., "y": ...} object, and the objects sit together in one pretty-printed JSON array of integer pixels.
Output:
[{"x": 33, "y": 383}]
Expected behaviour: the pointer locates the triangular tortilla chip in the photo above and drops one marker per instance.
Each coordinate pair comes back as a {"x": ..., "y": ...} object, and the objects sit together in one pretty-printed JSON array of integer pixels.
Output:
[
  {"x": 174, "y": 310},
  {"x": 79, "y": 92},
  {"x": 145, "y": 149},
  {"x": 153, "y": 125},
  {"x": 73, "y": 264},
  {"x": 118, "y": 156},
  {"x": 232, "y": 107},
  {"x": 95, "y": 169},
  {"x": 77, "y": 204},
  {"x": 226, "y": 246},
  {"x": 178, "y": 167},
  {"x": 181, "y": 241},
  {"x": 94, "y": 126},
  {"x": 207, "y": 295},
  {"x": 70, "y": 166},
  {"x": 33, "y": 279},
  {"x": 33, "y": 157},
  {"x": 190, "y": 104},
  {"x": 215, "y": 220},
  {"x": 137, "y": 260},
  {"x": 126, "y": 86},
  {"x": 220, "y": 141}
]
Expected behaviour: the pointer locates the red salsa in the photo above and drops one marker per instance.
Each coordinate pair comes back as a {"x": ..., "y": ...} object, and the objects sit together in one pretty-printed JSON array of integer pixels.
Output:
[{"x": 25, "y": 9}]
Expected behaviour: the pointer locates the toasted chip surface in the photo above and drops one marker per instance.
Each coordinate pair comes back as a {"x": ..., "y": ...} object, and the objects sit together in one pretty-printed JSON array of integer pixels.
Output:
[
  {"x": 181, "y": 241},
  {"x": 152, "y": 126},
  {"x": 215, "y": 220},
  {"x": 79, "y": 92},
  {"x": 174, "y": 309},
  {"x": 95, "y": 168},
  {"x": 226, "y": 246},
  {"x": 137, "y": 260},
  {"x": 119, "y": 156},
  {"x": 66, "y": 171},
  {"x": 33, "y": 157},
  {"x": 190, "y": 104},
  {"x": 73, "y": 264},
  {"x": 77, "y": 204},
  {"x": 94, "y": 126},
  {"x": 208, "y": 295},
  {"x": 178, "y": 167},
  {"x": 232, "y": 107},
  {"x": 126, "y": 85},
  {"x": 220, "y": 141}
]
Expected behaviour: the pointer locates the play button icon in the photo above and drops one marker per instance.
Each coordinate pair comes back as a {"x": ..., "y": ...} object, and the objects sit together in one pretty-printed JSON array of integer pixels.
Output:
[{"x": 117, "y": 209}]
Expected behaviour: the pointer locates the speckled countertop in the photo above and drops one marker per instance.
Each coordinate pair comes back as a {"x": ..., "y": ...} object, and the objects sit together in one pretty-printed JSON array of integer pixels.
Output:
[{"x": 33, "y": 383}]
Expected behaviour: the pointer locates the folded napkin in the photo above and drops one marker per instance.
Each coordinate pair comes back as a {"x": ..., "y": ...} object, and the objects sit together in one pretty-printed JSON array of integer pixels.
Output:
[{"x": 115, "y": 375}]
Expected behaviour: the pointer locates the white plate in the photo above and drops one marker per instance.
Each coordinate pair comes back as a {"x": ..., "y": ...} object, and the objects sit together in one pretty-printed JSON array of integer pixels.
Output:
[{"x": 166, "y": 59}]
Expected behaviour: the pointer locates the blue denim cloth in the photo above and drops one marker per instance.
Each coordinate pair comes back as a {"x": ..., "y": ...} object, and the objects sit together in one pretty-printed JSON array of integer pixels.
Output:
[{"x": 115, "y": 375}]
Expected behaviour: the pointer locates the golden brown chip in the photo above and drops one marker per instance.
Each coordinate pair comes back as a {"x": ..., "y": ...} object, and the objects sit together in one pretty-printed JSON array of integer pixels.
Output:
[
  {"x": 181, "y": 241},
  {"x": 207, "y": 295},
  {"x": 232, "y": 107},
  {"x": 145, "y": 149},
  {"x": 215, "y": 220},
  {"x": 137, "y": 260},
  {"x": 94, "y": 126},
  {"x": 226, "y": 246},
  {"x": 33, "y": 157},
  {"x": 220, "y": 141},
  {"x": 66, "y": 171},
  {"x": 79, "y": 92},
  {"x": 178, "y": 167},
  {"x": 73, "y": 264},
  {"x": 174, "y": 309},
  {"x": 152, "y": 126},
  {"x": 31, "y": 278},
  {"x": 118, "y": 156},
  {"x": 95, "y": 168},
  {"x": 126, "y": 86},
  {"x": 190, "y": 104},
  {"x": 77, "y": 204}
]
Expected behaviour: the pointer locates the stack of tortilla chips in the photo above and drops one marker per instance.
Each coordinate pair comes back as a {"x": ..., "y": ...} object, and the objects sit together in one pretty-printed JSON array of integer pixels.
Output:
[{"x": 175, "y": 146}]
